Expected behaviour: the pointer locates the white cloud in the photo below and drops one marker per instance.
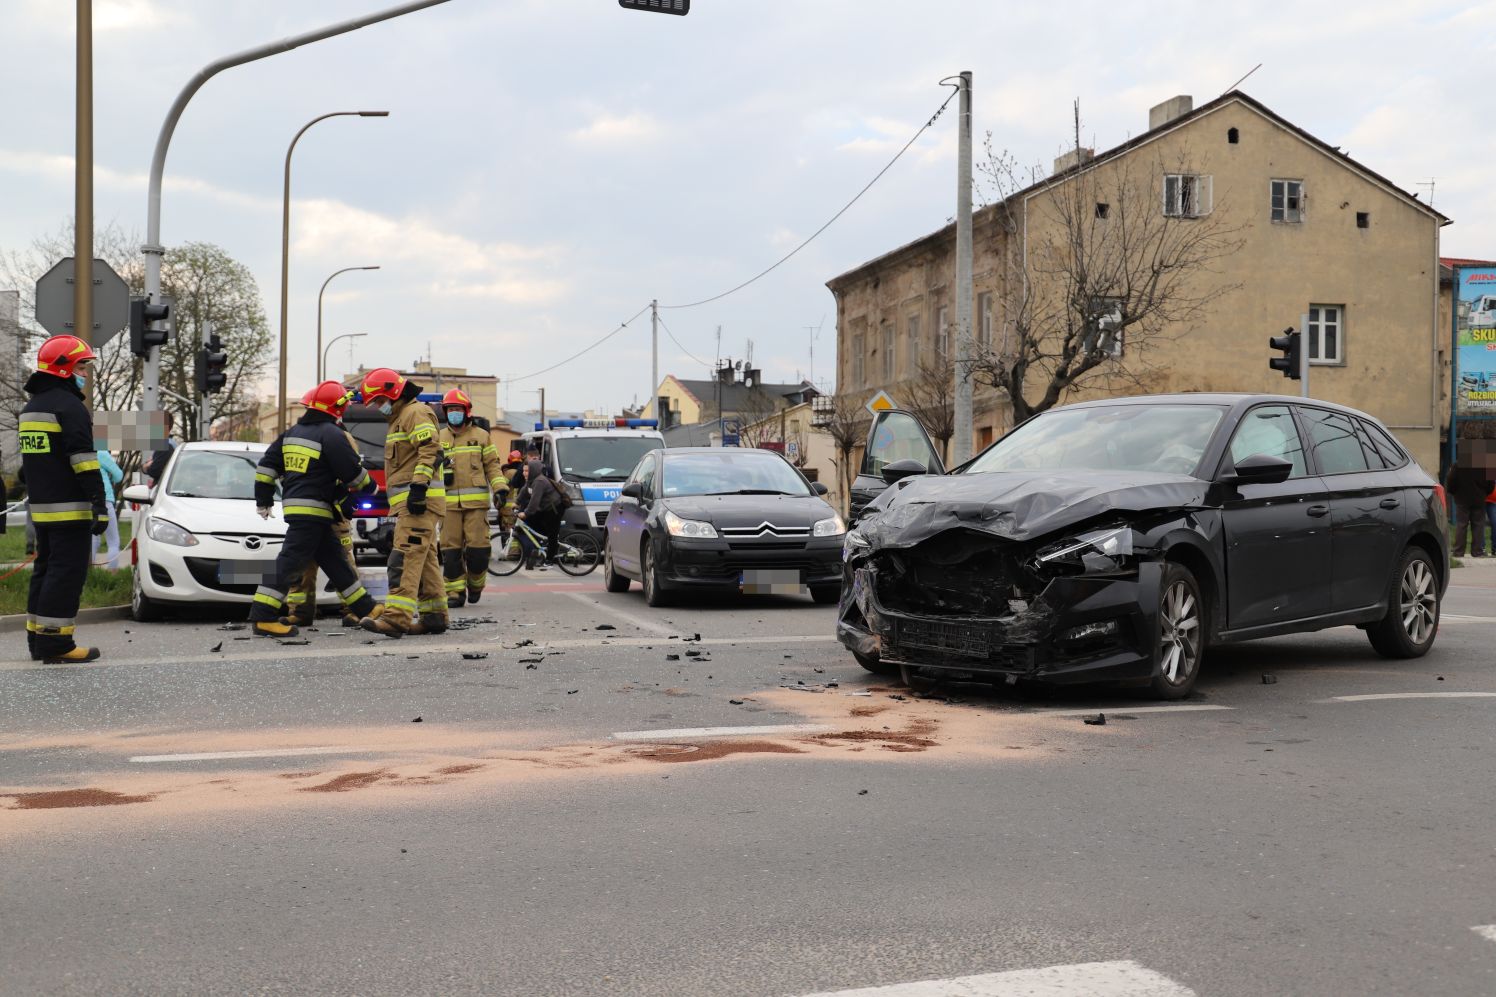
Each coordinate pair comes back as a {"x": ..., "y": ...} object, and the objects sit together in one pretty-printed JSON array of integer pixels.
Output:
[{"x": 610, "y": 129}]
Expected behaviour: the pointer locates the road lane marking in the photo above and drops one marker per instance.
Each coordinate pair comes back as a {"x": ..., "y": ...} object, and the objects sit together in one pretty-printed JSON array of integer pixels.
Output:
[
  {"x": 1459, "y": 618},
  {"x": 637, "y": 621},
  {"x": 1370, "y": 697},
  {"x": 1486, "y": 931},
  {"x": 213, "y": 756},
  {"x": 1126, "y": 710},
  {"x": 1093, "y": 979},
  {"x": 683, "y": 733}
]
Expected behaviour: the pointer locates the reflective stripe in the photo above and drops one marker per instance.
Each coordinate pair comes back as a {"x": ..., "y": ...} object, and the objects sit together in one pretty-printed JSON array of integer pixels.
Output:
[
  {"x": 360, "y": 482},
  {"x": 307, "y": 452},
  {"x": 271, "y": 473},
  {"x": 296, "y": 598},
  {"x": 396, "y": 437},
  {"x": 269, "y": 597},
  {"x": 421, "y": 469},
  {"x": 349, "y": 598},
  {"x": 299, "y": 508},
  {"x": 466, "y": 448},
  {"x": 86, "y": 460},
  {"x": 38, "y": 422},
  {"x": 302, "y": 441},
  {"x": 54, "y": 631},
  {"x": 498, "y": 484},
  {"x": 264, "y": 479},
  {"x": 61, "y": 512},
  {"x": 456, "y": 585},
  {"x": 465, "y": 492},
  {"x": 400, "y": 602},
  {"x": 88, "y": 465},
  {"x": 423, "y": 432},
  {"x": 54, "y": 621},
  {"x": 491, "y": 450},
  {"x": 433, "y": 605}
]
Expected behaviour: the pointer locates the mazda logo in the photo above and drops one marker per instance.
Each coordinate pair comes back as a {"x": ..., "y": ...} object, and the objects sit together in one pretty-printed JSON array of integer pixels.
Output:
[{"x": 252, "y": 543}]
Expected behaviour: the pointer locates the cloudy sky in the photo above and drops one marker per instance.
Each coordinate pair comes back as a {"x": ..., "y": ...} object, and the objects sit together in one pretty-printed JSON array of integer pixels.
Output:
[{"x": 549, "y": 166}]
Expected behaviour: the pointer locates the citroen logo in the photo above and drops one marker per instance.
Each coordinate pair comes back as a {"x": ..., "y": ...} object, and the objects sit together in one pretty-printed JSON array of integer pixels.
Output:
[{"x": 252, "y": 543}]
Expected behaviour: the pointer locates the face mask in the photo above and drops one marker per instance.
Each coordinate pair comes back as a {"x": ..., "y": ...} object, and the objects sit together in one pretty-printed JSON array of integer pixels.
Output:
[
  {"x": 455, "y": 419},
  {"x": 384, "y": 408},
  {"x": 79, "y": 381}
]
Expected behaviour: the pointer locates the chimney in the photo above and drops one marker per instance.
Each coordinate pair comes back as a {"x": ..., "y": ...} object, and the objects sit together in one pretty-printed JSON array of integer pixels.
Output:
[
  {"x": 1174, "y": 107},
  {"x": 1073, "y": 158}
]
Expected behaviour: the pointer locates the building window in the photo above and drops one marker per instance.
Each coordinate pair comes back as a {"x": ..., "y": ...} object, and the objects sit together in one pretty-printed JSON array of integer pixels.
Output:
[
  {"x": 1288, "y": 200},
  {"x": 888, "y": 353},
  {"x": 1186, "y": 195},
  {"x": 984, "y": 320},
  {"x": 1363, "y": 219},
  {"x": 1233, "y": 136},
  {"x": 943, "y": 331},
  {"x": 1327, "y": 334},
  {"x": 859, "y": 370},
  {"x": 1103, "y": 209},
  {"x": 912, "y": 332}
]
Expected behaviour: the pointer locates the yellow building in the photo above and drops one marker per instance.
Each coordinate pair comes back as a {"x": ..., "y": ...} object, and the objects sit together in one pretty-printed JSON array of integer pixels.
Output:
[{"x": 1285, "y": 226}]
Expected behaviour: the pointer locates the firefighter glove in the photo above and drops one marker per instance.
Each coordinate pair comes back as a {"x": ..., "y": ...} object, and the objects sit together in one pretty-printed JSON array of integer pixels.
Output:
[{"x": 417, "y": 501}]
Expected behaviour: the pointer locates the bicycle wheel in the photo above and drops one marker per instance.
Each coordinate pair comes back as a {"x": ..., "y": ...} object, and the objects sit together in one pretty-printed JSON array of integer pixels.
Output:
[
  {"x": 579, "y": 553},
  {"x": 507, "y": 557}
]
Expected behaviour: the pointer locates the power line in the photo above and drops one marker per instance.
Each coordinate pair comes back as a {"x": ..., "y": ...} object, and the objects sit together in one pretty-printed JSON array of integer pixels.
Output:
[
  {"x": 897, "y": 156},
  {"x": 682, "y": 348},
  {"x": 621, "y": 326}
]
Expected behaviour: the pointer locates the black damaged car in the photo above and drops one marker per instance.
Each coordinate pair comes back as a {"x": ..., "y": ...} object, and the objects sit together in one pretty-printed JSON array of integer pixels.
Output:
[{"x": 1117, "y": 540}]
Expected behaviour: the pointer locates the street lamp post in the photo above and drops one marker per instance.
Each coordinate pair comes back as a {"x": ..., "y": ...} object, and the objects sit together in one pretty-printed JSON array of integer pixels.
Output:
[
  {"x": 322, "y": 357},
  {"x": 280, "y": 401},
  {"x": 321, "y": 364}
]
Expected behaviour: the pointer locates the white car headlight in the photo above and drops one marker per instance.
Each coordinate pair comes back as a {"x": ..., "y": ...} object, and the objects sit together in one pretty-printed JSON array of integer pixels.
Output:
[
  {"x": 1099, "y": 550},
  {"x": 691, "y": 528},
  {"x": 168, "y": 532},
  {"x": 833, "y": 527}
]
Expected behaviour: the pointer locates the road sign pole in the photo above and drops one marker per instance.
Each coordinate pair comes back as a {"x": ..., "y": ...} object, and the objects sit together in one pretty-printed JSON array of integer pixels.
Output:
[{"x": 83, "y": 234}]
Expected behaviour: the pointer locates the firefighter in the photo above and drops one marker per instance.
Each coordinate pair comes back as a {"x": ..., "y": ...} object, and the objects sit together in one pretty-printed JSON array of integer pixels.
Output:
[
  {"x": 319, "y": 470},
  {"x": 417, "y": 603},
  {"x": 473, "y": 475},
  {"x": 301, "y": 601},
  {"x": 66, "y": 497}
]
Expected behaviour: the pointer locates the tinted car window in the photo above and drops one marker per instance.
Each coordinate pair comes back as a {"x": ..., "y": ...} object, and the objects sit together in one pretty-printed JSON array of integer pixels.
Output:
[
  {"x": 1269, "y": 429},
  {"x": 757, "y": 472},
  {"x": 1164, "y": 438},
  {"x": 1337, "y": 448},
  {"x": 1392, "y": 454},
  {"x": 647, "y": 478}
]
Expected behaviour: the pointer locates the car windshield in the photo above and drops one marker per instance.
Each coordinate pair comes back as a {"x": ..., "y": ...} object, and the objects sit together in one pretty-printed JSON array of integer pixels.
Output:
[
  {"x": 602, "y": 458},
  {"x": 744, "y": 473},
  {"x": 1164, "y": 438},
  {"x": 215, "y": 474}
]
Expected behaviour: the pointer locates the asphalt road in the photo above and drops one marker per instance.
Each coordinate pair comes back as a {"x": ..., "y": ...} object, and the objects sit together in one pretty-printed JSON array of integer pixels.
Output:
[{"x": 1257, "y": 839}]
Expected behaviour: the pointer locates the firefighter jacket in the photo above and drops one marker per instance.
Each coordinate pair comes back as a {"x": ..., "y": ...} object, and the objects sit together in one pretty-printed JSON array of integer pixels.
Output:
[
  {"x": 316, "y": 464},
  {"x": 58, "y": 457},
  {"x": 473, "y": 463},
  {"x": 413, "y": 456}
]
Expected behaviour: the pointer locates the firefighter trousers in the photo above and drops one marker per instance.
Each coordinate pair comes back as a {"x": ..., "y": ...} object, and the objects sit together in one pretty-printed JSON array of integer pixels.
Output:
[
  {"x": 310, "y": 541},
  {"x": 465, "y": 552},
  {"x": 415, "y": 571},
  {"x": 63, "y": 554},
  {"x": 301, "y": 601}
]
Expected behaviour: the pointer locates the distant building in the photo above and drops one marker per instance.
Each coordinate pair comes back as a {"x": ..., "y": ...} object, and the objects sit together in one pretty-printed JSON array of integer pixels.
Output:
[{"x": 692, "y": 412}]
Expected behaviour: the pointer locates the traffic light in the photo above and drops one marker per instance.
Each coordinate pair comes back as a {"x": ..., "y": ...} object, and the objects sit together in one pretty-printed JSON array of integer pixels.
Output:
[
  {"x": 1289, "y": 344},
  {"x": 148, "y": 326},
  {"x": 682, "y": 7},
  {"x": 212, "y": 361}
]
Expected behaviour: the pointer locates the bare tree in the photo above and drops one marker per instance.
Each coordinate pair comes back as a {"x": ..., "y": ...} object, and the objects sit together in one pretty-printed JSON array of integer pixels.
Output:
[
  {"x": 932, "y": 399},
  {"x": 757, "y": 416},
  {"x": 1108, "y": 275},
  {"x": 846, "y": 421}
]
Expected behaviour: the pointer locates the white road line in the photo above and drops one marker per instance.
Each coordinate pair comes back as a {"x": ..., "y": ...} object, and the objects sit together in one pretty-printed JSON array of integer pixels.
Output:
[
  {"x": 1457, "y": 618},
  {"x": 1126, "y": 710},
  {"x": 213, "y": 756},
  {"x": 1486, "y": 931},
  {"x": 637, "y": 621},
  {"x": 1371, "y": 697},
  {"x": 1091, "y": 979},
  {"x": 687, "y": 733}
]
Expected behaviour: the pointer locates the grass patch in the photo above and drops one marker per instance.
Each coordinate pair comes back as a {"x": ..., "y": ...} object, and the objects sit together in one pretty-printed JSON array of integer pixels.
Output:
[
  {"x": 13, "y": 541},
  {"x": 103, "y": 588}
]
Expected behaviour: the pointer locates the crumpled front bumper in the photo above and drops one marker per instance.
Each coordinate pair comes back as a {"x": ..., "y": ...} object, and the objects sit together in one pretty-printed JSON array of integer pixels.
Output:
[{"x": 1028, "y": 644}]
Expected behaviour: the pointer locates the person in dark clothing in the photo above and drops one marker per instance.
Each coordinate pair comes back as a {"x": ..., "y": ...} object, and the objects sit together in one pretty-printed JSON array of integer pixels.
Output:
[
  {"x": 319, "y": 470},
  {"x": 65, "y": 497},
  {"x": 156, "y": 466},
  {"x": 1468, "y": 484},
  {"x": 542, "y": 512}
]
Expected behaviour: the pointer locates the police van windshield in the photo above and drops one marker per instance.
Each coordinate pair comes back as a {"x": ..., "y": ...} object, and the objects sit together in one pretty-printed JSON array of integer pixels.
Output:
[
  {"x": 214, "y": 474},
  {"x": 602, "y": 458}
]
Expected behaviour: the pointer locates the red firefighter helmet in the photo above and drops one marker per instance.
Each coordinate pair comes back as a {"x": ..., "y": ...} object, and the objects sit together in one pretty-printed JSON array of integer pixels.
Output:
[
  {"x": 383, "y": 383},
  {"x": 61, "y": 355},
  {"x": 515, "y": 456},
  {"x": 457, "y": 398},
  {"x": 330, "y": 397},
  {"x": 306, "y": 399}
]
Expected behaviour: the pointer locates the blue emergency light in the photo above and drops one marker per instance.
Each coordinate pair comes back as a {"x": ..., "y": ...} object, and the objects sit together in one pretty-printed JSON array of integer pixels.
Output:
[{"x": 619, "y": 423}]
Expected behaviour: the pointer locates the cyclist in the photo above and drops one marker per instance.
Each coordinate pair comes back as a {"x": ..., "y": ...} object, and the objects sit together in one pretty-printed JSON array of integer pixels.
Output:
[{"x": 542, "y": 512}]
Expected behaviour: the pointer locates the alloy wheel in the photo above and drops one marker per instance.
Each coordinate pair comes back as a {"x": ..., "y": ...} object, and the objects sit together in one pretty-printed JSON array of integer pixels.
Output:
[
  {"x": 1179, "y": 622},
  {"x": 1418, "y": 601}
]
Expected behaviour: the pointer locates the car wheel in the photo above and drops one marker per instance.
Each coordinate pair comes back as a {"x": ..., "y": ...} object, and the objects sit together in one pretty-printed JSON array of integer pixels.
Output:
[
  {"x": 1181, "y": 638},
  {"x": 611, "y": 578},
  {"x": 825, "y": 595},
  {"x": 1412, "y": 620},
  {"x": 649, "y": 575},
  {"x": 874, "y": 664},
  {"x": 143, "y": 609}
]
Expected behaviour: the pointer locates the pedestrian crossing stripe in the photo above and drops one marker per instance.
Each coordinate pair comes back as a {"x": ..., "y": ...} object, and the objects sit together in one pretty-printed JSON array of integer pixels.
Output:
[{"x": 1092, "y": 979}]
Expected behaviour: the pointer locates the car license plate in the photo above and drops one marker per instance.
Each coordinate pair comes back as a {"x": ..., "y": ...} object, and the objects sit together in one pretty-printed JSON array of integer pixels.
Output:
[
  {"x": 246, "y": 572},
  {"x": 770, "y": 581}
]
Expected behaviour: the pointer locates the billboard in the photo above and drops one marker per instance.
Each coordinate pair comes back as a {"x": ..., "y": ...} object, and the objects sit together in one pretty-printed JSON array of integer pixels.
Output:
[{"x": 1475, "y": 342}]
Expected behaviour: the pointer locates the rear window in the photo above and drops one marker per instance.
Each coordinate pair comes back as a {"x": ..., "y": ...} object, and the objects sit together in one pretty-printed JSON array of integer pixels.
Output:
[{"x": 1392, "y": 455}]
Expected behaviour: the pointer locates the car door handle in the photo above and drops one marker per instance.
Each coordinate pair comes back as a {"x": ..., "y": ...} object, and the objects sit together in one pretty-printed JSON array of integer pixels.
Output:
[
  {"x": 1318, "y": 510},
  {"x": 1389, "y": 503}
]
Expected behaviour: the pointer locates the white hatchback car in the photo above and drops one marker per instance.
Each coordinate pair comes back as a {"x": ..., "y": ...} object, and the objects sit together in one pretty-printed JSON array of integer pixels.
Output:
[{"x": 198, "y": 539}]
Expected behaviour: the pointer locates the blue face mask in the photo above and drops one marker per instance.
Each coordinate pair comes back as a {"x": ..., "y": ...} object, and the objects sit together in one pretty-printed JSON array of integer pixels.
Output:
[
  {"x": 455, "y": 419},
  {"x": 78, "y": 380},
  {"x": 384, "y": 408}
]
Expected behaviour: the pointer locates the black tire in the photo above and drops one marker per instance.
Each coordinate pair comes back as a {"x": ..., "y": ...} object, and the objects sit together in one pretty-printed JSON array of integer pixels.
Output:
[
  {"x": 825, "y": 595},
  {"x": 143, "y": 609},
  {"x": 506, "y": 558},
  {"x": 1183, "y": 621},
  {"x": 612, "y": 580},
  {"x": 875, "y": 665},
  {"x": 580, "y": 553},
  {"x": 649, "y": 575},
  {"x": 1412, "y": 621}
]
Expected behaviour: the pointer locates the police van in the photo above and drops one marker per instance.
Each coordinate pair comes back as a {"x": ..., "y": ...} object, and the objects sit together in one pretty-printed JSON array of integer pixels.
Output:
[{"x": 590, "y": 459}]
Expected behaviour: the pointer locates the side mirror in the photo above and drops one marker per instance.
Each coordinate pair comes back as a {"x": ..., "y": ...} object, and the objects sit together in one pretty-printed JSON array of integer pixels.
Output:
[
  {"x": 139, "y": 494},
  {"x": 632, "y": 490},
  {"x": 1259, "y": 469},
  {"x": 819, "y": 487},
  {"x": 898, "y": 470}
]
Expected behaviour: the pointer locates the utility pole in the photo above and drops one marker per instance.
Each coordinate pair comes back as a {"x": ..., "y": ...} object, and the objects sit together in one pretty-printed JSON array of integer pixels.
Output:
[
  {"x": 83, "y": 233},
  {"x": 961, "y": 441},
  {"x": 542, "y": 408},
  {"x": 654, "y": 356}
]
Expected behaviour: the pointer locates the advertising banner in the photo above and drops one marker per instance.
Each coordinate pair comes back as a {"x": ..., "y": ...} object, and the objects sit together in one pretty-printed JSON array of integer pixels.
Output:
[{"x": 1475, "y": 343}]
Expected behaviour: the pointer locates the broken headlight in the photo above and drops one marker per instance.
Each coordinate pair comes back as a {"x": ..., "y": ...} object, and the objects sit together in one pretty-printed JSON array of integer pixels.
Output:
[
  {"x": 1098, "y": 551},
  {"x": 854, "y": 543}
]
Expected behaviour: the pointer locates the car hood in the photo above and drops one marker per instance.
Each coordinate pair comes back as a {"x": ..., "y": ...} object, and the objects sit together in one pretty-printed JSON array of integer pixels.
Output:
[
  {"x": 203, "y": 515},
  {"x": 745, "y": 511},
  {"x": 1018, "y": 505}
]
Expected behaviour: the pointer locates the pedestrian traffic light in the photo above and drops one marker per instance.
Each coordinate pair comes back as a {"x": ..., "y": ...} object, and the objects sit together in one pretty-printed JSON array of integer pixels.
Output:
[
  {"x": 148, "y": 325},
  {"x": 681, "y": 7},
  {"x": 212, "y": 360},
  {"x": 1289, "y": 344}
]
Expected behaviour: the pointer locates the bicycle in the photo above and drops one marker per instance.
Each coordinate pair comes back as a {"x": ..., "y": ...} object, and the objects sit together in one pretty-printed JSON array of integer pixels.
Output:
[{"x": 577, "y": 552}]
